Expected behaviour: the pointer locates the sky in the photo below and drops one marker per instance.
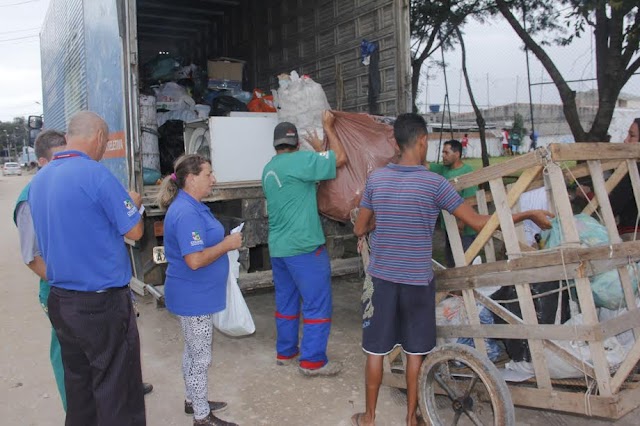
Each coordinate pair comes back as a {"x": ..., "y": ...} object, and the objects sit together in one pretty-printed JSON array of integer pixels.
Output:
[
  {"x": 495, "y": 61},
  {"x": 20, "y": 85}
]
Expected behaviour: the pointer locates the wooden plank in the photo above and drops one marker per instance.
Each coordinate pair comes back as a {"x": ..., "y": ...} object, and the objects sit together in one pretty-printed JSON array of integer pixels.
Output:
[
  {"x": 562, "y": 206},
  {"x": 629, "y": 294},
  {"x": 520, "y": 331},
  {"x": 566, "y": 401},
  {"x": 493, "y": 223},
  {"x": 590, "y": 317},
  {"x": 483, "y": 208},
  {"x": 516, "y": 329},
  {"x": 583, "y": 285},
  {"x": 497, "y": 171},
  {"x": 221, "y": 192},
  {"x": 611, "y": 183},
  {"x": 558, "y": 256},
  {"x": 626, "y": 367},
  {"x": 512, "y": 319},
  {"x": 594, "y": 151},
  {"x": 503, "y": 209},
  {"x": 602, "y": 195},
  {"x": 453, "y": 234},
  {"x": 614, "y": 326},
  {"x": 457, "y": 250},
  {"x": 570, "y": 176},
  {"x": 568, "y": 270},
  {"x": 628, "y": 400},
  {"x": 635, "y": 180}
]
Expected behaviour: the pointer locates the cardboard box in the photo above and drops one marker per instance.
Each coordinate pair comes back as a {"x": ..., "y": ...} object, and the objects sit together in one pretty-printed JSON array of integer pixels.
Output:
[{"x": 227, "y": 69}]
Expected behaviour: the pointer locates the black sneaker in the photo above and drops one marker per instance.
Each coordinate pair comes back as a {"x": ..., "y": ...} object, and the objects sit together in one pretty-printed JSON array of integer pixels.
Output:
[
  {"x": 146, "y": 388},
  {"x": 214, "y": 406},
  {"x": 212, "y": 420}
]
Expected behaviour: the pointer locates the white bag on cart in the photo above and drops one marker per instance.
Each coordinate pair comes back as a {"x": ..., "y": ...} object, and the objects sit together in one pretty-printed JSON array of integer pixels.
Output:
[{"x": 235, "y": 320}]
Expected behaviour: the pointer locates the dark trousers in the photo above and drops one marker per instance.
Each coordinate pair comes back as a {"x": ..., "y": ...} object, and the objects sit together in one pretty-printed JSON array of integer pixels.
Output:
[{"x": 101, "y": 356}]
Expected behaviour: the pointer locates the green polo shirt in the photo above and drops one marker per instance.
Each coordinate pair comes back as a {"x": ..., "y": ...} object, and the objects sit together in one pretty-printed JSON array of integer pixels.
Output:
[
  {"x": 289, "y": 184},
  {"x": 449, "y": 173}
]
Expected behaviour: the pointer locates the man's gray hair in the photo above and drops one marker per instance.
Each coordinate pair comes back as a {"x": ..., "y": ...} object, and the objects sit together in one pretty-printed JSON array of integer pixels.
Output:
[{"x": 48, "y": 140}]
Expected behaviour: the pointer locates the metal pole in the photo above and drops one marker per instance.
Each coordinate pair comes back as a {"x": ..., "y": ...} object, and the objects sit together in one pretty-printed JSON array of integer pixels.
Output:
[{"x": 526, "y": 51}]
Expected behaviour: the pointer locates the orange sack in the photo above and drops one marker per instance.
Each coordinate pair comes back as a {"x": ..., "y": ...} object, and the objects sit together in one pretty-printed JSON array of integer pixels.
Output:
[
  {"x": 261, "y": 102},
  {"x": 368, "y": 144}
]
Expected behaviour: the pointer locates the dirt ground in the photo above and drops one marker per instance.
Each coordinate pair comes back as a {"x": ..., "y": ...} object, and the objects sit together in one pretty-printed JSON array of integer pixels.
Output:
[{"x": 243, "y": 373}]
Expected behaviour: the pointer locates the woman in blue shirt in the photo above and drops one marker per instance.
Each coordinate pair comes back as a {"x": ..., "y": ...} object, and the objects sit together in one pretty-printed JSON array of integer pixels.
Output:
[{"x": 196, "y": 278}]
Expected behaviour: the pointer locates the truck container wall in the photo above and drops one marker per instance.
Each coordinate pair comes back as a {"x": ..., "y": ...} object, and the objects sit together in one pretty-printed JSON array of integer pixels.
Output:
[{"x": 82, "y": 68}]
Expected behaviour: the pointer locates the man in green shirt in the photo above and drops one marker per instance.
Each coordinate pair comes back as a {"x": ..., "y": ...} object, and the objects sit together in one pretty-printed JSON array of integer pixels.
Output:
[
  {"x": 299, "y": 259},
  {"x": 452, "y": 167}
]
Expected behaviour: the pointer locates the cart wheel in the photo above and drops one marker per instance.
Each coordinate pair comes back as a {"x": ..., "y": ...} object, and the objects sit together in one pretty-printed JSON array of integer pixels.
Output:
[{"x": 459, "y": 386}]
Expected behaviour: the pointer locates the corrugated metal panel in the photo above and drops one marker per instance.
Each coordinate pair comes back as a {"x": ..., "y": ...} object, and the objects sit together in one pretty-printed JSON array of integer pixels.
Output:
[
  {"x": 319, "y": 37},
  {"x": 64, "y": 81}
]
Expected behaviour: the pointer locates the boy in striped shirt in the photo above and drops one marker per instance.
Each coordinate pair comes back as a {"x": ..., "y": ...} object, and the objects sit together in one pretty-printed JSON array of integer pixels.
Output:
[{"x": 400, "y": 205}]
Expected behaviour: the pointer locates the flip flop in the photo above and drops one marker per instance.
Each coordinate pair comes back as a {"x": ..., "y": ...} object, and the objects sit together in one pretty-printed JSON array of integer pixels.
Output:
[{"x": 355, "y": 419}]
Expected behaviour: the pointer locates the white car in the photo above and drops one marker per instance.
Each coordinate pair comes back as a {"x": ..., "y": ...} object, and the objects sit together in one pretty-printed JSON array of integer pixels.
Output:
[{"x": 11, "y": 169}]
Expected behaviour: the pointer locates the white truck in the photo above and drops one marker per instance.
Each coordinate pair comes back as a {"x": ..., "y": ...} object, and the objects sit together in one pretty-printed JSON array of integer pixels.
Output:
[{"x": 92, "y": 51}]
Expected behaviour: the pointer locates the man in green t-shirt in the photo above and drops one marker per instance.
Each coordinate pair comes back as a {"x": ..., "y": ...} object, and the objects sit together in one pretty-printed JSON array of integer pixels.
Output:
[
  {"x": 452, "y": 166},
  {"x": 299, "y": 259}
]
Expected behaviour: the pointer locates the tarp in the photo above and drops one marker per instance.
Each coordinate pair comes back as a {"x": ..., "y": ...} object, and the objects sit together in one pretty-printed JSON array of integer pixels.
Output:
[{"x": 368, "y": 144}]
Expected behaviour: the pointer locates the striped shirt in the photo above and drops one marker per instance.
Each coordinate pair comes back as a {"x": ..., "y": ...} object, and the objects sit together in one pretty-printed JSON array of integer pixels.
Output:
[{"x": 406, "y": 201}]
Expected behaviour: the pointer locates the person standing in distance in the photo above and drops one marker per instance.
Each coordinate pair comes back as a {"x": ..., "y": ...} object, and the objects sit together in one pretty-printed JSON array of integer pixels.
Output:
[
  {"x": 81, "y": 213},
  {"x": 452, "y": 166},
  {"x": 299, "y": 258},
  {"x": 47, "y": 143},
  {"x": 465, "y": 145},
  {"x": 196, "y": 279}
]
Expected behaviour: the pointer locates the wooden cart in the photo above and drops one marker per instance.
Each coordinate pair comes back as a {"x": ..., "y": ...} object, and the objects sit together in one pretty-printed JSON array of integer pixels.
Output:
[{"x": 600, "y": 392}]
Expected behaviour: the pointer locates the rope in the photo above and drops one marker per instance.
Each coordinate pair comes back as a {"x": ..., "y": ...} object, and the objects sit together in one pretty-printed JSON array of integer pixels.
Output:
[{"x": 539, "y": 295}]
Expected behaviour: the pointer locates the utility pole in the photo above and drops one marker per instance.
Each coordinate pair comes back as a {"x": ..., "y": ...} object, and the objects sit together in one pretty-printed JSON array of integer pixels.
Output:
[{"x": 488, "y": 96}]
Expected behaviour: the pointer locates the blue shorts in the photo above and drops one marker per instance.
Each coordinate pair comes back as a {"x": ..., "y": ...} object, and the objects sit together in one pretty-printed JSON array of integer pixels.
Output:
[{"x": 399, "y": 315}]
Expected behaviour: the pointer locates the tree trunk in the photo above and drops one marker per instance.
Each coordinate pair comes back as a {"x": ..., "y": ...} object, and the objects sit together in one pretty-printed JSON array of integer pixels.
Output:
[
  {"x": 416, "y": 66},
  {"x": 614, "y": 66},
  {"x": 479, "y": 118},
  {"x": 567, "y": 95}
]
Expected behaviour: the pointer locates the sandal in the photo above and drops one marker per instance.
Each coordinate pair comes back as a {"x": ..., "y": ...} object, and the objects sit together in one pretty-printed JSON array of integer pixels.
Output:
[{"x": 357, "y": 419}]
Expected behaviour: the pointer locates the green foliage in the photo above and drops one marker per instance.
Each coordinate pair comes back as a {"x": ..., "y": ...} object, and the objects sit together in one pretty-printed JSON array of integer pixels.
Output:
[
  {"x": 518, "y": 125},
  {"x": 13, "y": 135}
]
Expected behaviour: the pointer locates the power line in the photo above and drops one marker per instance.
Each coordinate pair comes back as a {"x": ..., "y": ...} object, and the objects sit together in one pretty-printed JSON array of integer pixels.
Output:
[
  {"x": 19, "y": 38},
  {"x": 13, "y": 43},
  {"x": 18, "y": 4},
  {"x": 19, "y": 31}
]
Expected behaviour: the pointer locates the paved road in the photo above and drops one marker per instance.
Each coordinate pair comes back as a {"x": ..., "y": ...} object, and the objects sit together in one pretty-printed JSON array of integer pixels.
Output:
[{"x": 243, "y": 371}]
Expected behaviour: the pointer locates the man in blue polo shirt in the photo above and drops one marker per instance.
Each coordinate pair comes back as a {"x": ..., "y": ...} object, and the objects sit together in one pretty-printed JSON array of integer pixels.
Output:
[
  {"x": 81, "y": 213},
  {"x": 400, "y": 204}
]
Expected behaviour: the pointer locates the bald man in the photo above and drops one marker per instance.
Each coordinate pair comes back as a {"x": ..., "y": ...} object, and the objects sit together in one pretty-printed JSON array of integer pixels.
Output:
[{"x": 81, "y": 213}]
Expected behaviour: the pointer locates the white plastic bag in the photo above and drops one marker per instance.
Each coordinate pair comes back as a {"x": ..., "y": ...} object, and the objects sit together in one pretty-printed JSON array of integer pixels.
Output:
[
  {"x": 235, "y": 320},
  {"x": 301, "y": 101}
]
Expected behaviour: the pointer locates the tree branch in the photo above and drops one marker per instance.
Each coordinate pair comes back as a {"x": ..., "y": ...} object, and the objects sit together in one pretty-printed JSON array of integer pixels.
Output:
[
  {"x": 567, "y": 95},
  {"x": 633, "y": 40},
  {"x": 632, "y": 69}
]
